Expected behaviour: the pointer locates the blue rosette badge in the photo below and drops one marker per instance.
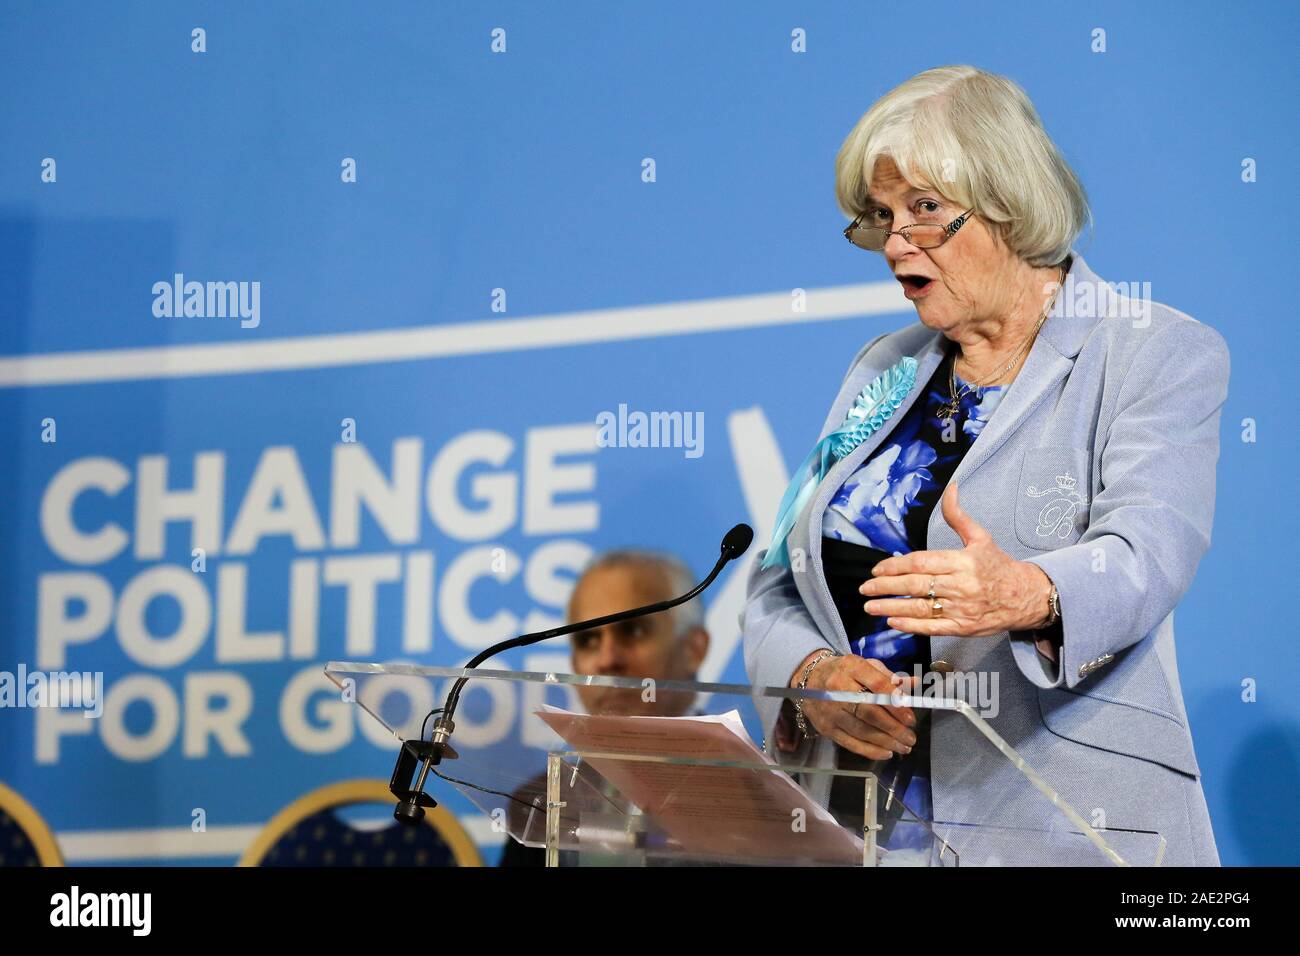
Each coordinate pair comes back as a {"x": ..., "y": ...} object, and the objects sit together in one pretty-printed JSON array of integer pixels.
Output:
[{"x": 871, "y": 409}]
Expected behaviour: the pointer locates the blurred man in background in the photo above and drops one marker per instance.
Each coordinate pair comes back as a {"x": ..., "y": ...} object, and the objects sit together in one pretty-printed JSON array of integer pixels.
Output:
[{"x": 669, "y": 645}]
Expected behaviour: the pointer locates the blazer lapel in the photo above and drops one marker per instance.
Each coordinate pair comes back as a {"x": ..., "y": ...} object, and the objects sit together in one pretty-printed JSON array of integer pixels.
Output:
[
  {"x": 1050, "y": 360},
  {"x": 807, "y": 530},
  {"x": 1043, "y": 369},
  {"x": 927, "y": 358}
]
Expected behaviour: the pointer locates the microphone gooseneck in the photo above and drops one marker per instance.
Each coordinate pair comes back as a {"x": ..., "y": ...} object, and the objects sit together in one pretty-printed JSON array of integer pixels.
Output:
[{"x": 413, "y": 800}]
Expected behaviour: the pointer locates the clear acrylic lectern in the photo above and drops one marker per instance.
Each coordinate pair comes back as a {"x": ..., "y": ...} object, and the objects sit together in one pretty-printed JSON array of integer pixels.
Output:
[{"x": 612, "y": 771}]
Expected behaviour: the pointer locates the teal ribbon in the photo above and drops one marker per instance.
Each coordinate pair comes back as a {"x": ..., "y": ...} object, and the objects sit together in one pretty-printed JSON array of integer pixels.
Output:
[{"x": 871, "y": 409}]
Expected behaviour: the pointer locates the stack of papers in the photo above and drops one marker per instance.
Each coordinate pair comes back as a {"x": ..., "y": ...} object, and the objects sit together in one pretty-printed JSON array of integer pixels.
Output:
[{"x": 754, "y": 812}]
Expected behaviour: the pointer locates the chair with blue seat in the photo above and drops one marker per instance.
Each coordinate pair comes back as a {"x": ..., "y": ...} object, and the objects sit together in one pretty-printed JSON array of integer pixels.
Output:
[
  {"x": 25, "y": 838},
  {"x": 310, "y": 832}
]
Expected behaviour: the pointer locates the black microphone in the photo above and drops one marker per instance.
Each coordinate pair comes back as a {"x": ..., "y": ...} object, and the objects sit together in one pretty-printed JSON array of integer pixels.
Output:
[{"x": 413, "y": 800}]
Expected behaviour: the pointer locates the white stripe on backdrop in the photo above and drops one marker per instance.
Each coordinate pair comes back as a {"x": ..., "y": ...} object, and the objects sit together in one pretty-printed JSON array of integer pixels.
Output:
[{"x": 439, "y": 341}]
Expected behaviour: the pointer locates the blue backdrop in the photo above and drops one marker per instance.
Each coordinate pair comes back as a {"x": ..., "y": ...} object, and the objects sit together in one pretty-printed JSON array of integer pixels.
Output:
[{"x": 548, "y": 212}]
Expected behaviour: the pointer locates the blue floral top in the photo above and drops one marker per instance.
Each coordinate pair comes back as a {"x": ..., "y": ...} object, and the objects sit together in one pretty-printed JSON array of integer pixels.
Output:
[{"x": 886, "y": 504}]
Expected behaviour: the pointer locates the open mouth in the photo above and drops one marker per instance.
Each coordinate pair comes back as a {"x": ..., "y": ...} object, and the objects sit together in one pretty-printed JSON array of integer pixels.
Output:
[{"x": 915, "y": 282}]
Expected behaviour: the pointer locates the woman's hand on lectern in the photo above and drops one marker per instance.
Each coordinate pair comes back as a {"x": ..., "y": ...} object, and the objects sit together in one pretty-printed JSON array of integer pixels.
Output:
[{"x": 874, "y": 731}]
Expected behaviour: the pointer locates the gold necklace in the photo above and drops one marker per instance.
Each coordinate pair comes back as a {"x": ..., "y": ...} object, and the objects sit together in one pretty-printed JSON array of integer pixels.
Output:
[{"x": 949, "y": 408}]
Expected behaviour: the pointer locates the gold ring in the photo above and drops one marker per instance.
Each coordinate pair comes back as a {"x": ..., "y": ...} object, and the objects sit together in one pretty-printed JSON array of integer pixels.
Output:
[{"x": 936, "y": 609}]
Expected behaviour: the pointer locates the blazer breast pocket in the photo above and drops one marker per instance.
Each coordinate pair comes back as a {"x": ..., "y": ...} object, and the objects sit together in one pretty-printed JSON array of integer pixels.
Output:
[{"x": 1053, "y": 497}]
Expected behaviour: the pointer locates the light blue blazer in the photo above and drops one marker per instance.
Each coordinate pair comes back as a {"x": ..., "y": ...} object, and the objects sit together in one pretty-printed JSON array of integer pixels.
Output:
[{"x": 1126, "y": 402}]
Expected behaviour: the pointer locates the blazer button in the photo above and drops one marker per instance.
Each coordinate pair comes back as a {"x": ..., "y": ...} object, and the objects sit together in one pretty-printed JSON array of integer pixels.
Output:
[
  {"x": 1088, "y": 668},
  {"x": 942, "y": 667}
]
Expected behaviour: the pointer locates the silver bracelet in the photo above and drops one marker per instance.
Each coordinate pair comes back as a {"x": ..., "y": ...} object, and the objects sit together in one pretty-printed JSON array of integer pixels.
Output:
[{"x": 800, "y": 720}]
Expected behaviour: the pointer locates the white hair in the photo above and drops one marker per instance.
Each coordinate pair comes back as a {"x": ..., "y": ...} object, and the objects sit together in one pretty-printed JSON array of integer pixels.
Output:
[
  {"x": 686, "y": 617},
  {"x": 975, "y": 138}
]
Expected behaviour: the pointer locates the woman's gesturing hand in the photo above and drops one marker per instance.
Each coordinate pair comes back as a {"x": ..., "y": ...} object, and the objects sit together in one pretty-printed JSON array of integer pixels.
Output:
[
  {"x": 871, "y": 730},
  {"x": 983, "y": 589}
]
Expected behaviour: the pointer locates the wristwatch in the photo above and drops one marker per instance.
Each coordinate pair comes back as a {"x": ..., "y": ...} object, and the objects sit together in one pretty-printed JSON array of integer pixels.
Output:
[{"x": 1054, "y": 606}]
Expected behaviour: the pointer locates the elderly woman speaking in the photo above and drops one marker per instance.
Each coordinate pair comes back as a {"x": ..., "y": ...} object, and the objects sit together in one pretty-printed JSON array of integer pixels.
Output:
[{"x": 1082, "y": 427}]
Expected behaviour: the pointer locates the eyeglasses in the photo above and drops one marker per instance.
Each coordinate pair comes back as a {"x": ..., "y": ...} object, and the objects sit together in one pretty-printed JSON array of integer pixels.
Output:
[{"x": 923, "y": 235}]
